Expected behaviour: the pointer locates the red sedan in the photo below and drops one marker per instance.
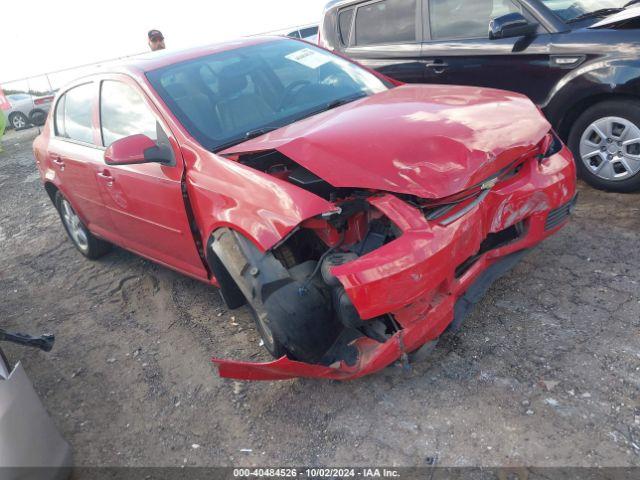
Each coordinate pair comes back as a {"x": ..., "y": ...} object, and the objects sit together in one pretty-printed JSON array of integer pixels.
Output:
[{"x": 357, "y": 217}]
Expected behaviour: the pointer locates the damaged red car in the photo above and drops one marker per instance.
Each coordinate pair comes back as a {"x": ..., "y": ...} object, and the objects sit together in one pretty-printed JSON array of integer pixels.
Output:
[{"x": 357, "y": 217}]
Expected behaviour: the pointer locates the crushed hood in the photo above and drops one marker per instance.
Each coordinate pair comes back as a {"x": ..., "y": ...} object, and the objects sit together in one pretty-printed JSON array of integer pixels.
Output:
[{"x": 426, "y": 140}]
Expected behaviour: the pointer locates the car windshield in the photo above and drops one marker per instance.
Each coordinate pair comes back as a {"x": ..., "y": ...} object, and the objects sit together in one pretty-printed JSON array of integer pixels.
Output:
[
  {"x": 228, "y": 97},
  {"x": 571, "y": 9}
]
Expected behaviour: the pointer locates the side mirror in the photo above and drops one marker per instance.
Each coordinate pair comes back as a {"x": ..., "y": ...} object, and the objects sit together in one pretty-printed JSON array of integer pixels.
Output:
[
  {"x": 136, "y": 150},
  {"x": 511, "y": 25}
]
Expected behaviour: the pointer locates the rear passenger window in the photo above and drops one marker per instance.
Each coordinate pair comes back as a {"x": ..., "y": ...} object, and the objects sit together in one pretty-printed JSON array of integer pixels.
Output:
[
  {"x": 123, "y": 113},
  {"x": 465, "y": 19},
  {"x": 388, "y": 21},
  {"x": 74, "y": 114},
  {"x": 345, "y": 20}
]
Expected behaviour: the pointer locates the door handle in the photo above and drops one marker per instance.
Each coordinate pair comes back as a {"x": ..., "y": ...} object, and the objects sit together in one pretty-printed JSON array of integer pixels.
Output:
[
  {"x": 106, "y": 176},
  {"x": 438, "y": 66},
  {"x": 58, "y": 161}
]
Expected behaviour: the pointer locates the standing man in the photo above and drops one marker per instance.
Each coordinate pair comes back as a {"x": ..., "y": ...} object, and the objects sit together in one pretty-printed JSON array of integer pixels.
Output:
[{"x": 156, "y": 40}]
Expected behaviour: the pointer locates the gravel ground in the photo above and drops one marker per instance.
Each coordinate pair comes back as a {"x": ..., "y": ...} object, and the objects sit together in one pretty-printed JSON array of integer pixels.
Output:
[{"x": 546, "y": 371}]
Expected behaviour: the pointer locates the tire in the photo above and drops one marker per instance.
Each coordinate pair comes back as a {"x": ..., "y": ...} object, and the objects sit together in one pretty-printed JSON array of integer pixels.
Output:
[
  {"x": 231, "y": 295},
  {"x": 271, "y": 342},
  {"x": 38, "y": 117},
  {"x": 88, "y": 244},
  {"x": 18, "y": 121},
  {"x": 602, "y": 142}
]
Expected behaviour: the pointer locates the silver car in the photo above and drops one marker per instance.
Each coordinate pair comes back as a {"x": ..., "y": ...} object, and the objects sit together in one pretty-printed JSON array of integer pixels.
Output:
[
  {"x": 31, "y": 447},
  {"x": 27, "y": 110}
]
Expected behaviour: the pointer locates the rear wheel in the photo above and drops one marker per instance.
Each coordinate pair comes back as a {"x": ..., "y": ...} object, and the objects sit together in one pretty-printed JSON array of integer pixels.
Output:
[
  {"x": 605, "y": 141},
  {"x": 89, "y": 245},
  {"x": 38, "y": 118}
]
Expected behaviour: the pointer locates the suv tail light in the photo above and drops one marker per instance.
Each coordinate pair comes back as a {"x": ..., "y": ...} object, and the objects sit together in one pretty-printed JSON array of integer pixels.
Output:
[{"x": 43, "y": 100}]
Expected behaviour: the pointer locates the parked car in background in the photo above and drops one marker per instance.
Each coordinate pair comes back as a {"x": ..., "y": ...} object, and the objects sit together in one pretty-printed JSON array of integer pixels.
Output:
[
  {"x": 359, "y": 218},
  {"x": 579, "y": 60},
  {"x": 308, "y": 33},
  {"x": 32, "y": 447},
  {"x": 27, "y": 110}
]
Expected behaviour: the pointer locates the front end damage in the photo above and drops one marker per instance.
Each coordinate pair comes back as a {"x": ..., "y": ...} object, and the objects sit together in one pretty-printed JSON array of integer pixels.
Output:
[{"x": 350, "y": 292}]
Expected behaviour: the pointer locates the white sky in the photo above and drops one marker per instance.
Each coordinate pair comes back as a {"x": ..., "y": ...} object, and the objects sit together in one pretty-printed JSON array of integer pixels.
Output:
[{"x": 42, "y": 36}]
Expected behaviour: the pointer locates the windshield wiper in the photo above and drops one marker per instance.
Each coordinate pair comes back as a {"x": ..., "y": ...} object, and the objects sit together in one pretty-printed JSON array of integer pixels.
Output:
[
  {"x": 632, "y": 2},
  {"x": 263, "y": 131},
  {"x": 258, "y": 132},
  {"x": 334, "y": 104},
  {"x": 343, "y": 101},
  {"x": 603, "y": 12}
]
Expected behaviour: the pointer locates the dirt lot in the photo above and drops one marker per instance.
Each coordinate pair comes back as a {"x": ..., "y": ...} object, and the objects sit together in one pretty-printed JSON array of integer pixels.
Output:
[{"x": 546, "y": 371}]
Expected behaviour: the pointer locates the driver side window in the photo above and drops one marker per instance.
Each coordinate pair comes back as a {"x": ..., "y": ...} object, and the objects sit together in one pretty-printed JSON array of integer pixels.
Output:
[{"x": 460, "y": 19}]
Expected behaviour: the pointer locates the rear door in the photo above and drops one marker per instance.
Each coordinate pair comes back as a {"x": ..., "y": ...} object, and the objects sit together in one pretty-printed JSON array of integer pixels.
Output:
[
  {"x": 76, "y": 156},
  {"x": 146, "y": 202},
  {"x": 458, "y": 50},
  {"x": 385, "y": 35}
]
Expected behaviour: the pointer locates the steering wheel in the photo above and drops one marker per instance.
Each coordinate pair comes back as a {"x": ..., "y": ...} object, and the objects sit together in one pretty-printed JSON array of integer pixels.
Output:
[{"x": 290, "y": 91}]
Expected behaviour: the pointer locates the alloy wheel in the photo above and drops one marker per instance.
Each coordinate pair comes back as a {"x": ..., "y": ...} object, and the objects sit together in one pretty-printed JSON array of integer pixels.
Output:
[
  {"x": 74, "y": 226},
  {"x": 18, "y": 122},
  {"x": 610, "y": 148}
]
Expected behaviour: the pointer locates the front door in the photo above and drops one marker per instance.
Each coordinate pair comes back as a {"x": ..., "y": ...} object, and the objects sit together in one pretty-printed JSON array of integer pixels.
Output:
[
  {"x": 385, "y": 35},
  {"x": 145, "y": 201}
]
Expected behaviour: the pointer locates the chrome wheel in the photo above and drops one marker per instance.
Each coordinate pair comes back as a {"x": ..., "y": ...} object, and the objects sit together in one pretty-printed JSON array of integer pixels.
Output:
[
  {"x": 610, "y": 148},
  {"x": 18, "y": 121},
  {"x": 74, "y": 226}
]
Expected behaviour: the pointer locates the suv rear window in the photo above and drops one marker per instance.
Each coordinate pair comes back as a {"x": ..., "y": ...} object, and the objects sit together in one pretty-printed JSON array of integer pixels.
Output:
[
  {"x": 388, "y": 21},
  {"x": 74, "y": 114}
]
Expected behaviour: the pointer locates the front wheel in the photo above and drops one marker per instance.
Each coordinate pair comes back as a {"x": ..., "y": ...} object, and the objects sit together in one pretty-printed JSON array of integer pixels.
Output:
[
  {"x": 88, "y": 244},
  {"x": 605, "y": 141},
  {"x": 18, "y": 121}
]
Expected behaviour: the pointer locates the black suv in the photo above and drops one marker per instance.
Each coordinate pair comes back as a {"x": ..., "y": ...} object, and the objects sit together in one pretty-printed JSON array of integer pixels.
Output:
[{"x": 577, "y": 59}]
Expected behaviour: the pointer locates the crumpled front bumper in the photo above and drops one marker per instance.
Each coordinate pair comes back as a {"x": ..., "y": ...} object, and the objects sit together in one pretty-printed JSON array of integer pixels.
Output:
[{"x": 418, "y": 277}]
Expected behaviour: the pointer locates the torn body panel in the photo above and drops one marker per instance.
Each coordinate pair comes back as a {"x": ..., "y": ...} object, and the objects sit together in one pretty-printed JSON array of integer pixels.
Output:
[
  {"x": 263, "y": 207},
  {"x": 429, "y": 274}
]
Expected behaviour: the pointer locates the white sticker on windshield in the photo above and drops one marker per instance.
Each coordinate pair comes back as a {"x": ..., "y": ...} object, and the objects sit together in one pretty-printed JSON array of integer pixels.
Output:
[{"x": 309, "y": 58}]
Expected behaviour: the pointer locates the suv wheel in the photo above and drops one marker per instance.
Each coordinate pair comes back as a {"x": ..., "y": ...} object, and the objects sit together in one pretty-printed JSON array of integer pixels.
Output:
[
  {"x": 89, "y": 245},
  {"x": 605, "y": 141},
  {"x": 18, "y": 121}
]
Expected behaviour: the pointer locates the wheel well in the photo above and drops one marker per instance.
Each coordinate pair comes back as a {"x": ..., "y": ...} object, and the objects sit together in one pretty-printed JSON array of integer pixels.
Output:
[
  {"x": 51, "y": 190},
  {"x": 572, "y": 114}
]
